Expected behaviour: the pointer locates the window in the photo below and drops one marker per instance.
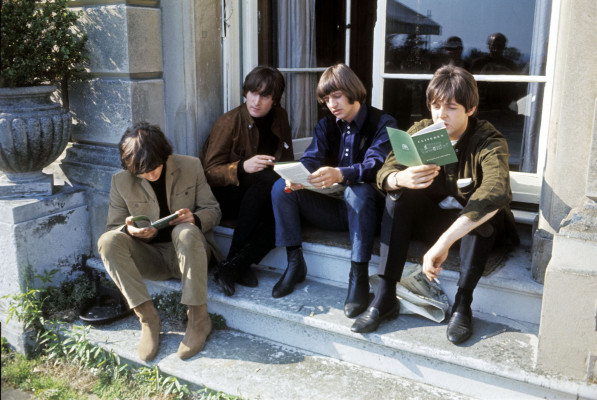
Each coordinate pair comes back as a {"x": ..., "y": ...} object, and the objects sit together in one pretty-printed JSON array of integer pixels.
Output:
[{"x": 394, "y": 46}]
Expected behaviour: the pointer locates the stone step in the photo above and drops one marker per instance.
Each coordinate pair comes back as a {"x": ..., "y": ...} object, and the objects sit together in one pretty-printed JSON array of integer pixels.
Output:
[
  {"x": 497, "y": 362},
  {"x": 508, "y": 292},
  {"x": 245, "y": 365}
]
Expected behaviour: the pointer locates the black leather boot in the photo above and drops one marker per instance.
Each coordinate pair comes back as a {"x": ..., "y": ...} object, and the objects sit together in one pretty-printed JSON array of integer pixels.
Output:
[
  {"x": 460, "y": 327},
  {"x": 296, "y": 271},
  {"x": 225, "y": 275},
  {"x": 242, "y": 263},
  {"x": 357, "y": 297}
]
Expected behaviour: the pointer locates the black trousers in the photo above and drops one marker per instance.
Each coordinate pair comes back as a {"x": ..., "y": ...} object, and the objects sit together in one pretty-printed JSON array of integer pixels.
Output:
[
  {"x": 413, "y": 215},
  {"x": 250, "y": 204}
]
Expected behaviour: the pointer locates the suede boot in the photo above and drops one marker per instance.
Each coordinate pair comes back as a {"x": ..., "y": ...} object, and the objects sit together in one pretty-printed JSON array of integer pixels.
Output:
[
  {"x": 296, "y": 271},
  {"x": 150, "y": 330},
  {"x": 357, "y": 297},
  {"x": 198, "y": 329}
]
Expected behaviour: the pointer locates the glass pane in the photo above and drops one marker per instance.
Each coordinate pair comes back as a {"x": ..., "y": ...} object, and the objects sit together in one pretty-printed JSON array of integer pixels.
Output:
[
  {"x": 513, "y": 108},
  {"x": 301, "y": 34},
  {"x": 483, "y": 36}
]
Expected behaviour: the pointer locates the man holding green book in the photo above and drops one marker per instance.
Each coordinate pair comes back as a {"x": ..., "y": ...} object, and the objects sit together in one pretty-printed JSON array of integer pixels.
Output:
[
  {"x": 157, "y": 184},
  {"x": 466, "y": 201}
]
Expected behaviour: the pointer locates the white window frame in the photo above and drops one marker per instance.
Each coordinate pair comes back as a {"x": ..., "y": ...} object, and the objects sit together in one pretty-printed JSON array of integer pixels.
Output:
[
  {"x": 526, "y": 187},
  {"x": 241, "y": 56}
]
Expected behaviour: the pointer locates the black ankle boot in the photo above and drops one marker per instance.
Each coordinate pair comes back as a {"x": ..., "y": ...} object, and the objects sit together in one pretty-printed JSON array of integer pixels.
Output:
[
  {"x": 460, "y": 326},
  {"x": 245, "y": 275},
  {"x": 296, "y": 271},
  {"x": 357, "y": 297},
  {"x": 225, "y": 275}
]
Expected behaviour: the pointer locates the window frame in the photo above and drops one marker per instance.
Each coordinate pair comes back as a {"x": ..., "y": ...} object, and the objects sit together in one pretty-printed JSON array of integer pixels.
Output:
[
  {"x": 241, "y": 55},
  {"x": 526, "y": 187}
]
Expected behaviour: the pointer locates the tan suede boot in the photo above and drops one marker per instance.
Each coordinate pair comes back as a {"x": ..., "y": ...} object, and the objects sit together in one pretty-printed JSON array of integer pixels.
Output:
[
  {"x": 150, "y": 330},
  {"x": 198, "y": 328}
]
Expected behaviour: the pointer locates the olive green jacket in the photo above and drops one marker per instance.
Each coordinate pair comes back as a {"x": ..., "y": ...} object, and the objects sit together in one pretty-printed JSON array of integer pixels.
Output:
[
  {"x": 482, "y": 152},
  {"x": 234, "y": 137}
]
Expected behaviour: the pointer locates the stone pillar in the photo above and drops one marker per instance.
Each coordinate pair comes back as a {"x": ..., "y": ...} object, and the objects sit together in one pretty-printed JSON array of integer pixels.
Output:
[
  {"x": 39, "y": 234},
  {"x": 574, "y": 91},
  {"x": 192, "y": 71},
  {"x": 568, "y": 330},
  {"x": 124, "y": 85}
]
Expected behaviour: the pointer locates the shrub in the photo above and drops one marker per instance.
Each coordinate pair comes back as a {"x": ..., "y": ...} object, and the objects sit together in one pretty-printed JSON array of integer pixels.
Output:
[{"x": 39, "y": 43}]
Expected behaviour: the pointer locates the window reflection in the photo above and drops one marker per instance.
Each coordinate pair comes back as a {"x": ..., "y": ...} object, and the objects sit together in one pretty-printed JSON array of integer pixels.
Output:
[
  {"x": 484, "y": 36},
  {"x": 513, "y": 108}
]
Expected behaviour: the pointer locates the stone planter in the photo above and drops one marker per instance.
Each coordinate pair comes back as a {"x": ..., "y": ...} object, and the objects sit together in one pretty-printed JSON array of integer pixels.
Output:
[{"x": 34, "y": 131}]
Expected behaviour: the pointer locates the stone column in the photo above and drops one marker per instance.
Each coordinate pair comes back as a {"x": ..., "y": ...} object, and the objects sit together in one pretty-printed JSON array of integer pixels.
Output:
[
  {"x": 192, "y": 71},
  {"x": 570, "y": 124},
  {"x": 124, "y": 85},
  {"x": 568, "y": 330}
]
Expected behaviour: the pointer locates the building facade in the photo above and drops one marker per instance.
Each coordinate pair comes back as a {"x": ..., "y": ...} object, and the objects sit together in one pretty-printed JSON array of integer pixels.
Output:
[{"x": 180, "y": 64}]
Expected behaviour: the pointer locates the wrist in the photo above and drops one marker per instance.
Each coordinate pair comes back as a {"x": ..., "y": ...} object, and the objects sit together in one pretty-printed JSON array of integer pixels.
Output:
[{"x": 394, "y": 180}]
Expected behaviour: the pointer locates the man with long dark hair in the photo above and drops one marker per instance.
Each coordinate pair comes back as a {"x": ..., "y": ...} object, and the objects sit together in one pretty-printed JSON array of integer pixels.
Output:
[{"x": 157, "y": 183}]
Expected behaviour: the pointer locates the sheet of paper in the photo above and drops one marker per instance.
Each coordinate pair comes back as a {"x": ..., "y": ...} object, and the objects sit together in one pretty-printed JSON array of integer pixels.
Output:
[{"x": 297, "y": 173}]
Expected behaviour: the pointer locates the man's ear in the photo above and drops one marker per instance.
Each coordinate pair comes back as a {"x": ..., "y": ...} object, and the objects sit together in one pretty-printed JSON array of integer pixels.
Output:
[{"x": 471, "y": 111}]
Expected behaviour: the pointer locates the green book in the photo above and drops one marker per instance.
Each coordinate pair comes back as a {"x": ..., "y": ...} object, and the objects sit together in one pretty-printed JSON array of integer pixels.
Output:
[
  {"x": 429, "y": 146},
  {"x": 142, "y": 221}
]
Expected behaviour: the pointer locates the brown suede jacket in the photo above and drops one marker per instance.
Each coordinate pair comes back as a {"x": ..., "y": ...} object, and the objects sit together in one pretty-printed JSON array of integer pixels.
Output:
[
  {"x": 234, "y": 137},
  {"x": 482, "y": 160}
]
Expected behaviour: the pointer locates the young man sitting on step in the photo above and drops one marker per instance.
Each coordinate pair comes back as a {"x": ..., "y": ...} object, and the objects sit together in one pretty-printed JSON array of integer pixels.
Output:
[{"x": 467, "y": 201}]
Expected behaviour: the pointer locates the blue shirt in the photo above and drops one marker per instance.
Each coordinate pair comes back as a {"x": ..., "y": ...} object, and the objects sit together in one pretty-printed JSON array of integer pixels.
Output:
[{"x": 357, "y": 165}]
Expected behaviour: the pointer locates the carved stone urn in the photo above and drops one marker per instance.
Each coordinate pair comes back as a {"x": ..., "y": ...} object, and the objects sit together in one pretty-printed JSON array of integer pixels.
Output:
[{"x": 34, "y": 131}]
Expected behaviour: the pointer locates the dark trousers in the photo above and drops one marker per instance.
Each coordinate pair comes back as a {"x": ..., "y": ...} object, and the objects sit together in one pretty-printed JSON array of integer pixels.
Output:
[
  {"x": 251, "y": 205},
  {"x": 358, "y": 213},
  {"x": 413, "y": 215}
]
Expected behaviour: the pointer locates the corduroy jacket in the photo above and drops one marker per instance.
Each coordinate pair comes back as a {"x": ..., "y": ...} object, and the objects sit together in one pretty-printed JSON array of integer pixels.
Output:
[
  {"x": 186, "y": 187},
  {"x": 483, "y": 155},
  {"x": 235, "y": 137}
]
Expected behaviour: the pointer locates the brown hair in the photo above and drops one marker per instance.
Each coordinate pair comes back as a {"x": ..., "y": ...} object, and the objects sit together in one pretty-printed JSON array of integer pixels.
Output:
[
  {"x": 265, "y": 81},
  {"x": 341, "y": 77},
  {"x": 453, "y": 83},
  {"x": 143, "y": 148}
]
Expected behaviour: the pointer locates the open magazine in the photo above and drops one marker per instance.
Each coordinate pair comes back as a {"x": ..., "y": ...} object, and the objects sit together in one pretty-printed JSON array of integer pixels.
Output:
[
  {"x": 296, "y": 172},
  {"x": 418, "y": 295}
]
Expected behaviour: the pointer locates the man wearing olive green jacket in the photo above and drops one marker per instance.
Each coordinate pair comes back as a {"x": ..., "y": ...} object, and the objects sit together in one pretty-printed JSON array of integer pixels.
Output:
[
  {"x": 467, "y": 201},
  {"x": 157, "y": 183}
]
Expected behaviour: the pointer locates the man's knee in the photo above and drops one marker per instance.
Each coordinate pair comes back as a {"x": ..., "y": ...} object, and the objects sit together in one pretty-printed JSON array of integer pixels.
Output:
[
  {"x": 111, "y": 240},
  {"x": 188, "y": 235},
  {"x": 361, "y": 196}
]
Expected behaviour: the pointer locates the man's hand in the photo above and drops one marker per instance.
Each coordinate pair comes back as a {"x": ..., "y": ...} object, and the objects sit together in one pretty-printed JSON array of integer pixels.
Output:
[
  {"x": 418, "y": 177},
  {"x": 139, "y": 233},
  {"x": 184, "y": 215},
  {"x": 292, "y": 186},
  {"x": 433, "y": 260},
  {"x": 325, "y": 177},
  {"x": 258, "y": 163}
]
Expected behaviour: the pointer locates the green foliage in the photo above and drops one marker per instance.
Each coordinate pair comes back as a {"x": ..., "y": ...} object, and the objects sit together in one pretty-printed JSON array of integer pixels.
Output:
[
  {"x": 72, "y": 294},
  {"x": 169, "y": 304},
  {"x": 40, "y": 42},
  {"x": 155, "y": 382}
]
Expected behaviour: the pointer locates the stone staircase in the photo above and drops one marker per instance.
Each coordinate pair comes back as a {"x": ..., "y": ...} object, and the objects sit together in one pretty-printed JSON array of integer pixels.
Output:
[{"x": 301, "y": 346}]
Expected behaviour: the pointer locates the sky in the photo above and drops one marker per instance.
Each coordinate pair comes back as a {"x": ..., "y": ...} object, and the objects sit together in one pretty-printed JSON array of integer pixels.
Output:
[{"x": 474, "y": 20}]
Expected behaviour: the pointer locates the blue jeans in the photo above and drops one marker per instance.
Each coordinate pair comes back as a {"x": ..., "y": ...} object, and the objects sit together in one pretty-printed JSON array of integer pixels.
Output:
[{"x": 359, "y": 214}]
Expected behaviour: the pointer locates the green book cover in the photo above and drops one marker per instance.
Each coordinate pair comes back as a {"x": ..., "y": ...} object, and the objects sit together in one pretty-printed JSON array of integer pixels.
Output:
[
  {"x": 429, "y": 146},
  {"x": 142, "y": 221}
]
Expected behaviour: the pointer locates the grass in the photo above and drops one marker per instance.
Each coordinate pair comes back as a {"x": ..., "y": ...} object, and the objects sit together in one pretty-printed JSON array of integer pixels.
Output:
[
  {"x": 65, "y": 380},
  {"x": 65, "y": 365}
]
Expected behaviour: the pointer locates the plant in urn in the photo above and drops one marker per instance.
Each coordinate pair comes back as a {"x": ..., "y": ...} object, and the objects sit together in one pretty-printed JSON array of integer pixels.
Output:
[{"x": 40, "y": 48}]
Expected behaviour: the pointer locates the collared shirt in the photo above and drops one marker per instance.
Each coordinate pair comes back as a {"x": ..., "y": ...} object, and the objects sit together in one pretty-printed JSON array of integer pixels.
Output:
[{"x": 357, "y": 163}]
